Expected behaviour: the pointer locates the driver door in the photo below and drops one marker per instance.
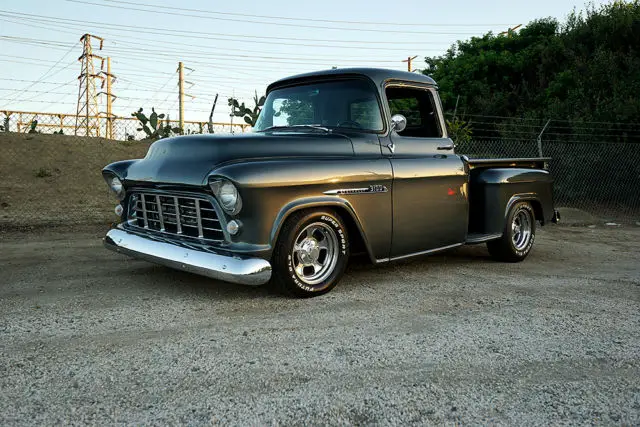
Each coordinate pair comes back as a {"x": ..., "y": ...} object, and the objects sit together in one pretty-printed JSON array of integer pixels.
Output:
[{"x": 430, "y": 208}]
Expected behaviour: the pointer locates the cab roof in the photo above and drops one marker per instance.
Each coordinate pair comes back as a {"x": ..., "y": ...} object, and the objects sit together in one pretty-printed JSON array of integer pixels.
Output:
[{"x": 377, "y": 75}]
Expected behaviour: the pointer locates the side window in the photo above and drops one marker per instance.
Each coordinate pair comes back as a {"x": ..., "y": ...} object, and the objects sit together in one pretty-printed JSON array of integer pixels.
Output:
[{"x": 418, "y": 107}]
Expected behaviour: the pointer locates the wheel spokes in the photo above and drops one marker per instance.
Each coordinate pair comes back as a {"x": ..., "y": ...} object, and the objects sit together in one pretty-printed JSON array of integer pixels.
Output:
[
  {"x": 310, "y": 232},
  {"x": 323, "y": 244},
  {"x": 316, "y": 267}
]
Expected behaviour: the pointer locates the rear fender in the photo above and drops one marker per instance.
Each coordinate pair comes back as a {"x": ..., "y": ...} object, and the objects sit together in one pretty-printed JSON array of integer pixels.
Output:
[{"x": 495, "y": 190}]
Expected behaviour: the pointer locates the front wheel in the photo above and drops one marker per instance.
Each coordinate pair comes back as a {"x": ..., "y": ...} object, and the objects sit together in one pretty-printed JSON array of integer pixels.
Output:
[
  {"x": 311, "y": 254},
  {"x": 518, "y": 235}
]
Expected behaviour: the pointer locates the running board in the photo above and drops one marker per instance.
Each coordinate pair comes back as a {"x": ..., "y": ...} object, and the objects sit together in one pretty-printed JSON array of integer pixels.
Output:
[{"x": 481, "y": 238}]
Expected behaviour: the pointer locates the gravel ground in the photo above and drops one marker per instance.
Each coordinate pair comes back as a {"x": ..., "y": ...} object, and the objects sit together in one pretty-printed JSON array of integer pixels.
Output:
[{"x": 89, "y": 336}]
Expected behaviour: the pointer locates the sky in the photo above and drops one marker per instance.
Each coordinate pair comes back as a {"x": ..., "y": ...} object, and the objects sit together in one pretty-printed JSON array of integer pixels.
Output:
[{"x": 232, "y": 48}]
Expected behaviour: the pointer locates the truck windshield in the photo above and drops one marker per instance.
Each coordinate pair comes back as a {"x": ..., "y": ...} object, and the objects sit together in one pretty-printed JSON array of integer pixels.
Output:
[{"x": 348, "y": 104}]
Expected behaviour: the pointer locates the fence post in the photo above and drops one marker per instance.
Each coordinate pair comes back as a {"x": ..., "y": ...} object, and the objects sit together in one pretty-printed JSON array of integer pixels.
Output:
[{"x": 540, "y": 138}]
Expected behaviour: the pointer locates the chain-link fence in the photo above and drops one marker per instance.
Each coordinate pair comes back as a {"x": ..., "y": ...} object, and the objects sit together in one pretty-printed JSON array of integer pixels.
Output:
[
  {"x": 56, "y": 179},
  {"x": 118, "y": 128},
  {"x": 602, "y": 178}
]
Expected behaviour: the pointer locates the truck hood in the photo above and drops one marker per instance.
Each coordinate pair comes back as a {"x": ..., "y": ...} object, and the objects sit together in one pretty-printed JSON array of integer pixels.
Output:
[{"x": 190, "y": 159}]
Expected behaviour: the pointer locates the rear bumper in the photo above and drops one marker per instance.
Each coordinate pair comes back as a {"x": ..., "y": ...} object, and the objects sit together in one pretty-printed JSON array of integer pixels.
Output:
[{"x": 228, "y": 268}]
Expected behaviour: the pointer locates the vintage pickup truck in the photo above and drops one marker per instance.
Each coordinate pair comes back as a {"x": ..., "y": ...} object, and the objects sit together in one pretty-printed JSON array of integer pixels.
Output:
[{"x": 339, "y": 162}]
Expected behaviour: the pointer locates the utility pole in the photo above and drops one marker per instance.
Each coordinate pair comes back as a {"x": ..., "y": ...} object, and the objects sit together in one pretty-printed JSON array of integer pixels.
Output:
[
  {"x": 110, "y": 97},
  {"x": 181, "y": 94},
  {"x": 87, "y": 112},
  {"x": 510, "y": 31},
  {"x": 408, "y": 61}
]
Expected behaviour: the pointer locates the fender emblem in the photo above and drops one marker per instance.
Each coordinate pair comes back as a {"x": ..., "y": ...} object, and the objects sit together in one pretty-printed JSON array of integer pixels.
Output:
[{"x": 375, "y": 188}]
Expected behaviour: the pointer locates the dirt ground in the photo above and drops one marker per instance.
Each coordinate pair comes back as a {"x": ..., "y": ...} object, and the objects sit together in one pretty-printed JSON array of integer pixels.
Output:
[
  {"x": 47, "y": 179},
  {"x": 89, "y": 336}
]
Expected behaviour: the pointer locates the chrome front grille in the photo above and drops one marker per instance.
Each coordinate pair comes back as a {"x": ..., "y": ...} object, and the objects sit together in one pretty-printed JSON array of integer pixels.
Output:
[{"x": 176, "y": 214}]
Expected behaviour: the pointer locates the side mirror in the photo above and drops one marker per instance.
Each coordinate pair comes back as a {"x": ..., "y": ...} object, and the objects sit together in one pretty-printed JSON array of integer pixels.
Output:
[{"x": 398, "y": 122}]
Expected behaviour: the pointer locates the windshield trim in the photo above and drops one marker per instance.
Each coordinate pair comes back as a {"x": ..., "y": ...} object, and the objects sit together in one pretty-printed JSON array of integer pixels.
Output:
[{"x": 342, "y": 77}]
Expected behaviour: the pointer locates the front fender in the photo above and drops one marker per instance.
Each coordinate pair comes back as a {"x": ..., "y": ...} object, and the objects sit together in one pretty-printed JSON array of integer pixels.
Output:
[
  {"x": 120, "y": 168},
  {"x": 273, "y": 189},
  {"x": 319, "y": 202}
]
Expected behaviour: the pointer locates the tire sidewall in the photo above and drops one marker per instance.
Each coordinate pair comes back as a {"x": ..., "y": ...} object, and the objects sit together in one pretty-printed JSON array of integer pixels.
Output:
[
  {"x": 339, "y": 228},
  {"x": 517, "y": 208}
]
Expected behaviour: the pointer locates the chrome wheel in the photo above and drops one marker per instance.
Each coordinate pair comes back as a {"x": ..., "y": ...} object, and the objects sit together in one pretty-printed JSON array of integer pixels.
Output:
[
  {"x": 315, "y": 253},
  {"x": 521, "y": 229}
]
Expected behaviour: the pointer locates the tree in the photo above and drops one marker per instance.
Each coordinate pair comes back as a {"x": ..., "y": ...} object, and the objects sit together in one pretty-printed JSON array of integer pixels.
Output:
[{"x": 587, "y": 69}]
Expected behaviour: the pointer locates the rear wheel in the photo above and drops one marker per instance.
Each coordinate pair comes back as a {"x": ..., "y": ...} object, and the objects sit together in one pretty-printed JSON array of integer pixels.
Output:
[
  {"x": 518, "y": 235},
  {"x": 311, "y": 254}
]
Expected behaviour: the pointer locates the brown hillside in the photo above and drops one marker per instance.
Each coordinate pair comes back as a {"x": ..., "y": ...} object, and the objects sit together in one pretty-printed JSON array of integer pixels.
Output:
[{"x": 56, "y": 179}]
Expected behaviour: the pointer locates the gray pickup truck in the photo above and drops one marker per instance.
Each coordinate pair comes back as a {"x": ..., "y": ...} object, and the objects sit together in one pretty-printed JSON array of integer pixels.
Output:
[{"x": 339, "y": 162}]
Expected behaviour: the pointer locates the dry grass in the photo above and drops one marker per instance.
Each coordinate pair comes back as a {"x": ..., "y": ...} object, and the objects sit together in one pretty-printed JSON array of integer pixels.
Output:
[{"x": 56, "y": 179}]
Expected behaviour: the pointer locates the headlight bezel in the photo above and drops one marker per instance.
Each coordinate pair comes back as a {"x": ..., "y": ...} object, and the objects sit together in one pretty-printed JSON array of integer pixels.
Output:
[
  {"x": 115, "y": 184},
  {"x": 227, "y": 195}
]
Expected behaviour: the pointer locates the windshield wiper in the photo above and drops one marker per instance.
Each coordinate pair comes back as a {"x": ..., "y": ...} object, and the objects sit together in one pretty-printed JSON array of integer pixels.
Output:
[{"x": 295, "y": 127}]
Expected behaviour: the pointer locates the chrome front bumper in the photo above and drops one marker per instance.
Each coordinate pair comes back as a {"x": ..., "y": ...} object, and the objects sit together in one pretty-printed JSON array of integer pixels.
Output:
[{"x": 229, "y": 268}]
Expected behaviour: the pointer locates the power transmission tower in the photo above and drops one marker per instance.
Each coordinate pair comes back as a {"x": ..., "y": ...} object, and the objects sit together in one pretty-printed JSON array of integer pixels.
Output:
[
  {"x": 87, "y": 114},
  {"x": 108, "y": 78},
  {"x": 408, "y": 61}
]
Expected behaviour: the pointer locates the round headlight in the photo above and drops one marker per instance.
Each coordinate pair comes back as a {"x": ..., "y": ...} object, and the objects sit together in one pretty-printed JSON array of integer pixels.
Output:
[
  {"x": 115, "y": 185},
  {"x": 227, "y": 195}
]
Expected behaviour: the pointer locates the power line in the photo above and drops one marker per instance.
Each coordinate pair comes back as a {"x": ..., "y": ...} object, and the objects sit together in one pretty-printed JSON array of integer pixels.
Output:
[
  {"x": 306, "y": 19},
  {"x": 209, "y": 35},
  {"x": 153, "y": 50},
  {"x": 45, "y": 74},
  {"x": 116, "y": 39},
  {"x": 280, "y": 24},
  {"x": 31, "y": 81}
]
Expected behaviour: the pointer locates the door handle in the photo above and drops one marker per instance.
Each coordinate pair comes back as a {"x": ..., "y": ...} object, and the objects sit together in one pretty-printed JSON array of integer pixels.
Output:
[{"x": 445, "y": 147}]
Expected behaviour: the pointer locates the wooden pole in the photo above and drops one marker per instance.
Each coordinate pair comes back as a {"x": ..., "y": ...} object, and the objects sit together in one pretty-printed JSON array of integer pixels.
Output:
[
  {"x": 109, "y": 116},
  {"x": 408, "y": 61}
]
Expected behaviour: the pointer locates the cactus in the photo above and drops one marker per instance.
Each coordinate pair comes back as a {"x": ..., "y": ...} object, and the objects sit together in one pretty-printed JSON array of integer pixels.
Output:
[
  {"x": 153, "y": 126},
  {"x": 250, "y": 115},
  {"x": 32, "y": 127}
]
